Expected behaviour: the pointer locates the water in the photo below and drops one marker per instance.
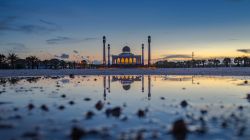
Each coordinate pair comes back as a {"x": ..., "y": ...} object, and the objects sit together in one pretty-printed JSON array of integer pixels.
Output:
[{"x": 217, "y": 106}]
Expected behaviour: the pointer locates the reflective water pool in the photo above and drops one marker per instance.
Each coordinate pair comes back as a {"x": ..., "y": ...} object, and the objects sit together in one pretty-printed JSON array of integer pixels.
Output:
[{"x": 124, "y": 107}]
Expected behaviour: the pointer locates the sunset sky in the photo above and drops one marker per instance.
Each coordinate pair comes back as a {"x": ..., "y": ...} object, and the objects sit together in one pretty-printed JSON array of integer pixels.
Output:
[{"x": 74, "y": 29}]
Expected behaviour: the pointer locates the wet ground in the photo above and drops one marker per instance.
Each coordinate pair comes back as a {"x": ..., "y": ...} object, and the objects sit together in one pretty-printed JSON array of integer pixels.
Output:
[{"x": 125, "y": 107}]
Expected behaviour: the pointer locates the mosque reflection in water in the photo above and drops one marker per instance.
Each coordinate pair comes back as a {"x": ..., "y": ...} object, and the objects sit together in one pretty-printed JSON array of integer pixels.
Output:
[{"x": 126, "y": 82}]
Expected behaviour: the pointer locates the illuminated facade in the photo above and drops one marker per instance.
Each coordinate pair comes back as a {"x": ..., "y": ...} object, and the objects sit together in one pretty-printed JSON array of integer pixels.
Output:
[{"x": 126, "y": 58}]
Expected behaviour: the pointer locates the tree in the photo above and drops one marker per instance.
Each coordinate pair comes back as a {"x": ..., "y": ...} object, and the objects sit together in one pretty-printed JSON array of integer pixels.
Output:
[
  {"x": 245, "y": 60},
  {"x": 210, "y": 62},
  {"x": 203, "y": 62},
  {"x": 238, "y": 60},
  {"x": 63, "y": 64},
  {"x": 46, "y": 63},
  {"x": 227, "y": 61},
  {"x": 54, "y": 63},
  {"x": 216, "y": 62},
  {"x": 2, "y": 60},
  {"x": 12, "y": 57},
  {"x": 32, "y": 61}
]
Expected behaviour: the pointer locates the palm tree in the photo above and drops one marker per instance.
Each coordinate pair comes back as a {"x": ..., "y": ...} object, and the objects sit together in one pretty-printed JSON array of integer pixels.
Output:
[
  {"x": 32, "y": 61},
  {"x": 2, "y": 60},
  {"x": 238, "y": 61},
  {"x": 12, "y": 57},
  {"x": 227, "y": 61}
]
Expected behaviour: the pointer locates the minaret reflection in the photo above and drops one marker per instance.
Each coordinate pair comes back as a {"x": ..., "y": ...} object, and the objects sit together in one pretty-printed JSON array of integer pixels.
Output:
[
  {"x": 126, "y": 82},
  {"x": 104, "y": 88},
  {"x": 109, "y": 84},
  {"x": 142, "y": 83},
  {"x": 149, "y": 87}
]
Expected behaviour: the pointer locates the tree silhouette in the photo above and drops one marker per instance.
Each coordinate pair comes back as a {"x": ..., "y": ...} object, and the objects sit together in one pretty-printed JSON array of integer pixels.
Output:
[
  {"x": 245, "y": 60},
  {"x": 216, "y": 62},
  {"x": 227, "y": 61},
  {"x": 2, "y": 60},
  {"x": 238, "y": 61},
  {"x": 12, "y": 57},
  {"x": 32, "y": 61},
  {"x": 203, "y": 62}
]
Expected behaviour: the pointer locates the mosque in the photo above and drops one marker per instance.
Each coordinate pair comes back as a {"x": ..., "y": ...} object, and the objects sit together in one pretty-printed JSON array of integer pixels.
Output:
[{"x": 126, "y": 58}]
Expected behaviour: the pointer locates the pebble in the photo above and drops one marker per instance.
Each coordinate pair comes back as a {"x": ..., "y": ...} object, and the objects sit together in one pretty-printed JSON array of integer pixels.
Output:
[
  {"x": 44, "y": 108},
  {"x": 71, "y": 102},
  {"x": 61, "y": 107},
  {"x": 86, "y": 99},
  {"x": 115, "y": 112},
  {"x": 77, "y": 133},
  {"x": 30, "y": 106},
  {"x": 179, "y": 130},
  {"x": 141, "y": 113},
  {"x": 99, "y": 105},
  {"x": 63, "y": 96},
  {"x": 89, "y": 115},
  {"x": 184, "y": 103}
]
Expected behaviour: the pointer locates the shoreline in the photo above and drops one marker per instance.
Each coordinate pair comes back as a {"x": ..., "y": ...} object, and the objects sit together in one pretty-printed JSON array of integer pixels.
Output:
[{"x": 222, "y": 71}]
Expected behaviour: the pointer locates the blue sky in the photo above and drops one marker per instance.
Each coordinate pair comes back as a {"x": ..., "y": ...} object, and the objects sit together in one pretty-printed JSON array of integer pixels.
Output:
[{"x": 64, "y": 28}]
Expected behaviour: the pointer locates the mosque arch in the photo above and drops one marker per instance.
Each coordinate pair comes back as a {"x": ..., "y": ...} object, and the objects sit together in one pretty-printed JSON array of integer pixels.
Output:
[
  {"x": 122, "y": 61},
  {"x": 126, "y": 60},
  {"x": 130, "y": 60},
  {"x": 118, "y": 60}
]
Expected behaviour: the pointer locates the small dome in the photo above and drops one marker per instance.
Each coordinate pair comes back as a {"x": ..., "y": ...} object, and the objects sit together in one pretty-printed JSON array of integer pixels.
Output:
[
  {"x": 126, "y": 87},
  {"x": 126, "y": 49}
]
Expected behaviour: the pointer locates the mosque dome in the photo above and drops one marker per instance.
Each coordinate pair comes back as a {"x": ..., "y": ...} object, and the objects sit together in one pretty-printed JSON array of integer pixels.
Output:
[{"x": 126, "y": 49}]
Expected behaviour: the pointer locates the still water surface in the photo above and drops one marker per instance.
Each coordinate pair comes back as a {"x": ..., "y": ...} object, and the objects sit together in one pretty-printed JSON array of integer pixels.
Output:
[{"x": 48, "y": 107}]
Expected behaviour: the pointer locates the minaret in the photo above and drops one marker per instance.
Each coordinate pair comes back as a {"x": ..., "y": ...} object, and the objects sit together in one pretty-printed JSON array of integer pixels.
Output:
[
  {"x": 108, "y": 55},
  {"x": 149, "y": 51},
  {"x": 142, "y": 54},
  {"x": 104, "y": 53}
]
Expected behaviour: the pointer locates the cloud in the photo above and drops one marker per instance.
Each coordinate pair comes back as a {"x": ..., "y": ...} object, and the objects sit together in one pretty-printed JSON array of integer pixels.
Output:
[
  {"x": 5, "y": 23},
  {"x": 235, "y": 0},
  {"x": 89, "y": 38},
  {"x": 34, "y": 29},
  {"x": 63, "y": 40},
  {"x": 59, "y": 40},
  {"x": 63, "y": 56},
  {"x": 233, "y": 39},
  {"x": 14, "y": 47},
  {"x": 177, "y": 56},
  {"x": 47, "y": 22},
  {"x": 244, "y": 50},
  {"x": 10, "y": 24}
]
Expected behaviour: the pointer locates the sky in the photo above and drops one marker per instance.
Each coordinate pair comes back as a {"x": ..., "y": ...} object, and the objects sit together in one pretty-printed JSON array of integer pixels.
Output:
[{"x": 73, "y": 29}]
